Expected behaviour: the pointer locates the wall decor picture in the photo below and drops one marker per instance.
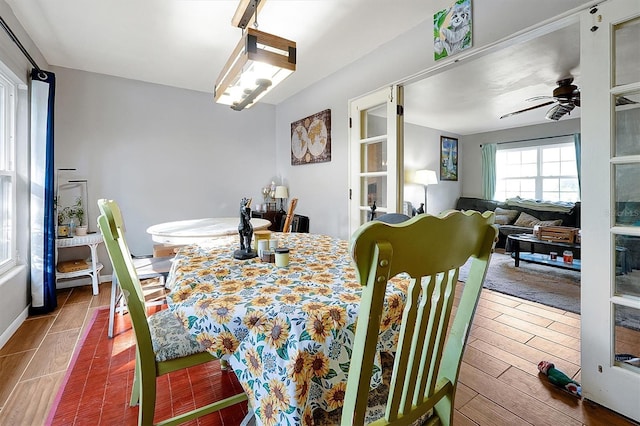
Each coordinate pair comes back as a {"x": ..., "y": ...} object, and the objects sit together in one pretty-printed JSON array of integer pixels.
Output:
[
  {"x": 311, "y": 139},
  {"x": 452, "y": 29},
  {"x": 448, "y": 158}
]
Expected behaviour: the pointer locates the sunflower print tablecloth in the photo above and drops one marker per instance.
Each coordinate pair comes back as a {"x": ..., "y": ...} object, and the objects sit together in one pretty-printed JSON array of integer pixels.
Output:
[{"x": 287, "y": 332}]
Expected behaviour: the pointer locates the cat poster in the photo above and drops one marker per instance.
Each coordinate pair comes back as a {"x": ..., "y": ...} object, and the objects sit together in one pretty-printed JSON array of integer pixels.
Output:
[{"x": 452, "y": 29}]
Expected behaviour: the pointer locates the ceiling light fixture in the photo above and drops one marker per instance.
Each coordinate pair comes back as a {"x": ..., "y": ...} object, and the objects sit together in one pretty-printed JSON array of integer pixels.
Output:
[{"x": 259, "y": 62}]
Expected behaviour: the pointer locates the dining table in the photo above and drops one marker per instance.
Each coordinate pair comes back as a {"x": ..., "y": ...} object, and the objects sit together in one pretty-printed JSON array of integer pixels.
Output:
[
  {"x": 287, "y": 332},
  {"x": 195, "y": 230}
]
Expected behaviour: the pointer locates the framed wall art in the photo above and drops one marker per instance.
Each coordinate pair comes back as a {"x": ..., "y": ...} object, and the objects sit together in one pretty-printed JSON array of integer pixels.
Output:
[
  {"x": 452, "y": 29},
  {"x": 311, "y": 139},
  {"x": 448, "y": 158}
]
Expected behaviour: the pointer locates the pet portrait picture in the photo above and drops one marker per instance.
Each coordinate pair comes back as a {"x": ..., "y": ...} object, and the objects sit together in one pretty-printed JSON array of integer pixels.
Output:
[{"x": 452, "y": 29}]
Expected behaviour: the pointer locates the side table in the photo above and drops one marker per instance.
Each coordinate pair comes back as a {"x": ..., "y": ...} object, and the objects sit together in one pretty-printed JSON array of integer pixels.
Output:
[{"x": 92, "y": 241}]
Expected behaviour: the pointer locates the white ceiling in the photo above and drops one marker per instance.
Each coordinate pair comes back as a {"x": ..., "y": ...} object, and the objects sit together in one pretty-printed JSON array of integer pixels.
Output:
[
  {"x": 185, "y": 43},
  {"x": 471, "y": 97}
]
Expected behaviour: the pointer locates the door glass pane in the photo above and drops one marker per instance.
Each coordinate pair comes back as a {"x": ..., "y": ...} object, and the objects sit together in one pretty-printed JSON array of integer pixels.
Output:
[
  {"x": 627, "y": 54},
  {"x": 627, "y": 192},
  {"x": 374, "y": 157},
  {"x": 375, "y": 121},
  {"x": 627, "y": 260},
  {"x": 374, "y": 189},
  {"x": 627, "y": 121},
  {"x": 627, "y": 337}
]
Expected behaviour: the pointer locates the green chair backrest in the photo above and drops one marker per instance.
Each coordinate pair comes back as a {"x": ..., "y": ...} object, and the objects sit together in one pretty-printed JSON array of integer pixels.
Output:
[
  {"x": 430, "y": 250},
  {"x": 111, "y": 226}
]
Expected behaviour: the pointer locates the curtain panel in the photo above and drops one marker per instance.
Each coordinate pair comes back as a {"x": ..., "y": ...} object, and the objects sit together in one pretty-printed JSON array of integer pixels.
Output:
[
  {"x": 43, "y": 238},
  {"x": 489, "y": 170}
]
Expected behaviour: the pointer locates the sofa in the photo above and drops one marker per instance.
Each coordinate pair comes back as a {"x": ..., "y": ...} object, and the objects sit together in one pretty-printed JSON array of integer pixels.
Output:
[{"x": 519, "y": 216}]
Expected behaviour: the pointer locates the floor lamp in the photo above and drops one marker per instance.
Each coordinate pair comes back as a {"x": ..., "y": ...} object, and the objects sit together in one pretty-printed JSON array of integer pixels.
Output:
[{"x": 425, "y": 178}]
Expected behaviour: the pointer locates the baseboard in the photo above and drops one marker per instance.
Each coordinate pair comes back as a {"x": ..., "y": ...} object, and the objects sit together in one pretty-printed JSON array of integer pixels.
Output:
[{"x": 13, "y": 327}]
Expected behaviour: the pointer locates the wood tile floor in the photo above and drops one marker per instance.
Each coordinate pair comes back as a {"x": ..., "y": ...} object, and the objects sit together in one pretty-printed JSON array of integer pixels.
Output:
[{"x": 499, "y": 383}]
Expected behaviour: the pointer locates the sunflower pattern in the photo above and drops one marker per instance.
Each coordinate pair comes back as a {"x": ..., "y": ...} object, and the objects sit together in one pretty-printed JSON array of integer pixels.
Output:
[{"x": 288, "y": 332}]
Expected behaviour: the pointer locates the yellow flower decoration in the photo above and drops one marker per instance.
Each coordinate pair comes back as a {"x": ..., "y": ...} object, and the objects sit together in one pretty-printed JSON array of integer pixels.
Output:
[
  {"x": 251, "y": 272},
  {"x": 232, "y": 299},
  {"x": 290, "y": 298},
  {"x": 318, "y": 326},
  {"x": 270, "y": 289},
  {"x": 302, "y": 289},
  {"x": 277, "y": 332},
  {"x": 279, "y": 392},
  {"x": 269, "y": 411},
  {"x": 202, "y": 306},
  {"x": 349, "y": 297},
  {"x": 283, "y": 281},
  {"x": 313, "y": 307},
  {"x": 262, "y": 301},
  {"x": 221, "y": 312},
  {"x": 323, "y": 278},
  {"x": 298, "y": 370},
  {"x": 206, "y": 340},
  {"x": 206, "y": 288},
  {"x": 319, "y": 364},
  {"x": 254, "y": 364},
  {"x": 226, "y": 343},
  {"x": 324, "y": 291},
  {"x": 182, "y": 294},
  {"x": 255, "y": 321},
  {"x": 335, "y": 395},
  {"x": 307, "y": 416},
  {"x": 337, "y": 315}
]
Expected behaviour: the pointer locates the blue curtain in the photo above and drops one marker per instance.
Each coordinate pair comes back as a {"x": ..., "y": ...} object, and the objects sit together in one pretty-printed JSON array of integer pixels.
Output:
[
  {"x": 578, "y": 144},
  {"x": 489, "y": 170},
  {"x": 42, "y": 180}
]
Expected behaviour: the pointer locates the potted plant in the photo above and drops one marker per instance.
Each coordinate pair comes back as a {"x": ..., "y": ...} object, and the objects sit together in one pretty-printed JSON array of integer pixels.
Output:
[
  {"x": 77, "y": 211},
  {"x": 63, "y": 215}
]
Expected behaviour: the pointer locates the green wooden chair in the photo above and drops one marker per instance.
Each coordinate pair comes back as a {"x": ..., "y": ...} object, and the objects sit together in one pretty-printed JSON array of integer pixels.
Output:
[
  {"x": 162, "y": 343},
  {"x": 430, "y": 250}
]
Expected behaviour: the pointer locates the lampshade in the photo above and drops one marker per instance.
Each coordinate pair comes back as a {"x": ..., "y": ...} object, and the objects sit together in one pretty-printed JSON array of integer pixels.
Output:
[
  {"x": 281, "y": 192},
  {"x": 259, "y": 62},
  {"x": 425, "y": 177}
]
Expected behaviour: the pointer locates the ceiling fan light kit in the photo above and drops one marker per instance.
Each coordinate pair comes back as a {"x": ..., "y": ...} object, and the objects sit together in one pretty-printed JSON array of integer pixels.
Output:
[{"x": 259, "y": 63}]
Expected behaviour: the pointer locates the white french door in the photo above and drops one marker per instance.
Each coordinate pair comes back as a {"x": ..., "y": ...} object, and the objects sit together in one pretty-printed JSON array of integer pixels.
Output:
[
  {"x": 610, "y": 67},
  {"x": 375, "y": 155}
]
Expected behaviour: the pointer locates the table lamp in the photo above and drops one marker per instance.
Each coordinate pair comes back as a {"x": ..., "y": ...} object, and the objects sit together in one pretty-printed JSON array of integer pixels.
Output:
[
  {"x": 425, "y": 177},
  {"x": 281, "y": 193}
]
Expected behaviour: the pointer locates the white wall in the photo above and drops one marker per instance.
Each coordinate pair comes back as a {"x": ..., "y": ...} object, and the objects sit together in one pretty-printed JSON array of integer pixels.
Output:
[
  {"x": 14, "y": 285},
  {"x": 322, "y": 189},
  {"x": 163, "y": 153},
  {"x": 470, "y": 150}
]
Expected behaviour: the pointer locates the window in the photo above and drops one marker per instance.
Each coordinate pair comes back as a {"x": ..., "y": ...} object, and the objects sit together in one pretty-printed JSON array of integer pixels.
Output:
[
  {"x": 544, "y": 172},
  {"x": 7, "y": 173}
]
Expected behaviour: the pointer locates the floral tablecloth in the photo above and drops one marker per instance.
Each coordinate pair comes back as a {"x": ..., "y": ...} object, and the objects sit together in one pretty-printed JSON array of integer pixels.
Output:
[{"x": 287, "y": 332}]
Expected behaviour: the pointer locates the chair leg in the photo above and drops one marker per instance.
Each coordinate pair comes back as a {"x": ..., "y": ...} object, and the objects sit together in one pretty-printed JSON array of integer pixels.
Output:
[
  {"x": 147, "y": 400},
  {"x": 135, "y": 389},
  {"x": 112, "y": 304}
]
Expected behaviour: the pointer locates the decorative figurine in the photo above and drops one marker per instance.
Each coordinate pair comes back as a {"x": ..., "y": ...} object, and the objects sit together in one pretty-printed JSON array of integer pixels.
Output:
[
  {"x": 420, "y": 209},
  {"x": 372, "y": 213},
  {"x": 245, "y": 230},
  {"x": 560, "y": 379}
]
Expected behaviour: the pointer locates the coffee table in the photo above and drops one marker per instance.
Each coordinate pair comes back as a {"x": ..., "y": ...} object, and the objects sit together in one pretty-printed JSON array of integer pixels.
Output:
[{"x": 539, "y": 251}]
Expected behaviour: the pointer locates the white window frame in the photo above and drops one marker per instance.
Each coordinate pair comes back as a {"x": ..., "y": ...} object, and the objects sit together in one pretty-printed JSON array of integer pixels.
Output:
[
  {"x": 8, "y": 105},
  {"x": 538, "y": 177}
]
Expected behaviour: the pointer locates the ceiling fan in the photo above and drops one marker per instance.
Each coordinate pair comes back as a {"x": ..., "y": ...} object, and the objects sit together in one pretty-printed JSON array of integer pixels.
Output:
[{"x": 564, "y": 99}]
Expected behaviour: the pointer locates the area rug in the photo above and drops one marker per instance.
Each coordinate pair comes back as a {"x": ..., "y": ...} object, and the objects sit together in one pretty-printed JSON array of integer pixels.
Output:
[
  {"x": 97, "y": 386},
  {"x": 554, "y": 287}
]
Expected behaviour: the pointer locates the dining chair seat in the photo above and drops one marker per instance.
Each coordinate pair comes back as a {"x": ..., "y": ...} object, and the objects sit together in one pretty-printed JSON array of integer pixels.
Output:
[{"x": 168, "y": 337}]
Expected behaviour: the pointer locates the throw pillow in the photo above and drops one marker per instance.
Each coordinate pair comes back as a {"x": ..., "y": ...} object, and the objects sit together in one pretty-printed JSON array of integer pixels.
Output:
[
  {"x": 504, "y": 216},
  {"x": 526, "y": 220},
  {"x": 557, "y": 222}
]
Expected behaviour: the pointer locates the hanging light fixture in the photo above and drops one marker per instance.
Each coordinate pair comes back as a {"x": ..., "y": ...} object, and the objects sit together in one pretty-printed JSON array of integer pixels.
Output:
[{"x": 259, "y": 62}]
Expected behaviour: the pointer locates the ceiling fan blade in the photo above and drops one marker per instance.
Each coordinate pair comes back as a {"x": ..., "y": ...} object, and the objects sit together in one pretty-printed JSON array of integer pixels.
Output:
[
  {"x": 621, "y": 100},
  {"x": 539, "y": 98},
  {"x": 558, "y": 111},
  {"x": 527, "y": 109}
]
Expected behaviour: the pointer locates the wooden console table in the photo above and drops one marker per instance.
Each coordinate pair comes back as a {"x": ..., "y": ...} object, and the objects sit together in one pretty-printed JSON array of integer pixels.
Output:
[{"x": 92, "y": 241}]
